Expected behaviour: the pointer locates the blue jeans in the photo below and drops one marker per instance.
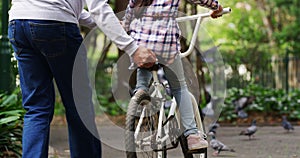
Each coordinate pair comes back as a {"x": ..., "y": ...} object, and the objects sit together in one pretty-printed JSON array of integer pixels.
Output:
[
  {"x": 46, "y": 51},
  {"x": 175, "y": 76}
]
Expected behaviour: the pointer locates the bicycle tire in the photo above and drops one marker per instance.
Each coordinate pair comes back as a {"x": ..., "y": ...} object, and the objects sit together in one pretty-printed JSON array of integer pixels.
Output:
[{"x": 149, "y": 125}]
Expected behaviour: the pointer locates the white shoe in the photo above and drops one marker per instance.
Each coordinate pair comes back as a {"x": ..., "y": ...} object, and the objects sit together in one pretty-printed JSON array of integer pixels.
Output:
[{"x": 196, "y": 141}]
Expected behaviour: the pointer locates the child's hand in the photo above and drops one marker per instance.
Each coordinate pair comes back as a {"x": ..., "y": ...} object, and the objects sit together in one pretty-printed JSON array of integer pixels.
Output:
[{"x": 217, "y": 13}]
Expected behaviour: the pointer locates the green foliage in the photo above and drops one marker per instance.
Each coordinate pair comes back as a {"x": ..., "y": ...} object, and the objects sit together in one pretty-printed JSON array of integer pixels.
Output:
[
  {"x": 59, "y": 107},
  {"x": 104, "y": 89},
  {"x": 267, "y": 101},
  {"x": 1, "y": 17},
  {"x": 1, "y": 13},
  {"x": 109, "y": 107},
  {"x": 11, "y": 121},
  {"x": 286, "y": 16},
  {"x": 254, "y": 32}
]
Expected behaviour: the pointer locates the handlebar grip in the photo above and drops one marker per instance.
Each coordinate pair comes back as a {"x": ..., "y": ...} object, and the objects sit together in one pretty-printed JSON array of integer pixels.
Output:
[{"x": 226, "y": 10}]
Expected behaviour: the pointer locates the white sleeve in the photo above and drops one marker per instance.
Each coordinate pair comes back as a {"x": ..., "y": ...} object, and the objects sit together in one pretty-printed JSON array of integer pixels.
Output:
[
  {"x": 86, "y": 20},
  {"x": 106, "y": 20}
]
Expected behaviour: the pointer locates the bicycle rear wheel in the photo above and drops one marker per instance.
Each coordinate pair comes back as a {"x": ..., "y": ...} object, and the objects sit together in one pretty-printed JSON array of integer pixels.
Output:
[{"x": 141, "y": 116}]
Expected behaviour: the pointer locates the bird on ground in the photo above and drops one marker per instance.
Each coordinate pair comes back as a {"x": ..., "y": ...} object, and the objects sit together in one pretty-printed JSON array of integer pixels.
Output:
[
  {"x": 218, "y": 146},
  {"x": 213, "y": 128},
  {"x": 286, "y": 124},
  {"x": 208, "y": 110},
  {"x": 213, "y": 107},
  {"x": 241, "y": 104},
  {"x": 250, "y": 130}
]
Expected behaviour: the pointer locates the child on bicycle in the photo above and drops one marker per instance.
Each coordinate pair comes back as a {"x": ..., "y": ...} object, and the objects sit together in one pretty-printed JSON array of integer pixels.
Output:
[{"x": 153, "y": 25}]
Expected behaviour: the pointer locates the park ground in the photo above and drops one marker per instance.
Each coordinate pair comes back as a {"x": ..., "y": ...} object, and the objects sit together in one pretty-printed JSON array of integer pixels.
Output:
[{"x": 269, "y": 142}]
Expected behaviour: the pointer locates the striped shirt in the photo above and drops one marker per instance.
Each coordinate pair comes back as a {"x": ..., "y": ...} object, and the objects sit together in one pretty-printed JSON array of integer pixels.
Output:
[{"x": 155, "y": 26}]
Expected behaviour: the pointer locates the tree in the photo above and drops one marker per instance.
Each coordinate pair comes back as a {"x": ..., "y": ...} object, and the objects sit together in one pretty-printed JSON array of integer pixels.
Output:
[
  {"x": 254, "y": 32},
  {"x": 1, "y": 18}
]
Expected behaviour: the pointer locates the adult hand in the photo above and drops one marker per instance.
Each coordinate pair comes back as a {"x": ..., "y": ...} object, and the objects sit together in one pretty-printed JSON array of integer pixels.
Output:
[
  {"x": 144, "y": 58},
  {"x": 217, "y": 13}
]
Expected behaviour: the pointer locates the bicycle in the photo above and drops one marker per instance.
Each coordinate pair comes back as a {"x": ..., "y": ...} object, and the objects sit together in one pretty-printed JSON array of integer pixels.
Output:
[{"x": 152, "y": 120}]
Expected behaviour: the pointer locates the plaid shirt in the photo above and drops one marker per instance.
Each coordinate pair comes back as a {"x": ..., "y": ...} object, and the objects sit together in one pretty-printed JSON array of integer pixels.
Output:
[{"x": 156, "y": 28}]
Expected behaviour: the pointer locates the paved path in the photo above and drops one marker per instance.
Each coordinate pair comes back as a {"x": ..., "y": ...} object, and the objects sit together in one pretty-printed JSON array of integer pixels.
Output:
[{"x": 269, "y": 142}]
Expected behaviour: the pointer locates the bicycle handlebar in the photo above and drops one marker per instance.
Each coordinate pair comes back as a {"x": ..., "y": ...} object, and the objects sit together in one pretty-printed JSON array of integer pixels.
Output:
[
  {"x": 197, "y": 26},
  {"x": 202, "y": 15}
]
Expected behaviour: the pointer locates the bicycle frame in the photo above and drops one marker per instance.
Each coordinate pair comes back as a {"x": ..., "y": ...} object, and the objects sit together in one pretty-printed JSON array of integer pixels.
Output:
[
  {"x": 159, "y": 88},
  {"x": 163, "y": 121}
]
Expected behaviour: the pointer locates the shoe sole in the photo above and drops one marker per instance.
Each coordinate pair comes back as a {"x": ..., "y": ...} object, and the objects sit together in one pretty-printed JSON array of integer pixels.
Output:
[
  {"x": 199, "y": 150},
  {"x": 196, "y": 146}
]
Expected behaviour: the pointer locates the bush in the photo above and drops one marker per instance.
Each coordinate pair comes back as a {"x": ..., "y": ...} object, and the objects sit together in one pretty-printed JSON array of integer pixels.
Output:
[
  {"x": 103, "y": 85},
  {"x": 11, "y": 121},
  {"x": 267, "y": 101}
]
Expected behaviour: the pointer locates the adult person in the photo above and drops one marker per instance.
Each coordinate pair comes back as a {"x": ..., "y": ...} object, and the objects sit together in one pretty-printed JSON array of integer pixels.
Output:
[
  {"x": 152, "y": 24},
  {"x": 46, "y": 38}
]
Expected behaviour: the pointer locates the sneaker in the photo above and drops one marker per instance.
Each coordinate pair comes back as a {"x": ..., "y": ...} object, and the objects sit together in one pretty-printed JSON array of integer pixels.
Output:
[
  {"x": 139, "y": 93},
  {"x": 196, "y": 141}
]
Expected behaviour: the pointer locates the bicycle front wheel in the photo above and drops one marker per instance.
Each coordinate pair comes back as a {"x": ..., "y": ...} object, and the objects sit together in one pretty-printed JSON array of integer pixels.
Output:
[{"x": 141, "y": 128}]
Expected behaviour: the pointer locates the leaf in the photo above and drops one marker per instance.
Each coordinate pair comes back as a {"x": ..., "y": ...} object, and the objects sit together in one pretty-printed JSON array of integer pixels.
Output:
[
  {"x": 11, "y": 99},
  {"x": 9, "y": 119},
  {"x": 12, "y": 112}
]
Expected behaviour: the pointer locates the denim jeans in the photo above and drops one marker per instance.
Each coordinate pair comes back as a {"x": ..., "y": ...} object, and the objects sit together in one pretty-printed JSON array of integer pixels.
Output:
[
  {"x": 46, "y": 51},
  {"x": 175, "y": 76}
]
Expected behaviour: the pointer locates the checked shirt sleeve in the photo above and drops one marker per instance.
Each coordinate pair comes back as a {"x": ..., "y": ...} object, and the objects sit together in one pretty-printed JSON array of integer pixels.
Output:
[
  {"x": 211, "y": 4},
  {"x": 129, "y": 15}
]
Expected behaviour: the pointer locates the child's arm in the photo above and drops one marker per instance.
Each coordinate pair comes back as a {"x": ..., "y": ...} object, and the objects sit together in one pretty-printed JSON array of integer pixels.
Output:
[
  {"x": 129, "y": 15},
  {"x": 211, "y": 4}
]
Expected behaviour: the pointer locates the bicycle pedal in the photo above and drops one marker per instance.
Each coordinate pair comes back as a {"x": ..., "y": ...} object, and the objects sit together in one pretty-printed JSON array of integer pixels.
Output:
[{"x": 198, "y": 151}]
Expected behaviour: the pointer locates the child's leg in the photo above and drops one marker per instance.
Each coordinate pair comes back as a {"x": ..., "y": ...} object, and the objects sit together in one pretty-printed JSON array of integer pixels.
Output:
[
  {"x": 143, "y": 78},
  {"x": 175, "y": 76}
]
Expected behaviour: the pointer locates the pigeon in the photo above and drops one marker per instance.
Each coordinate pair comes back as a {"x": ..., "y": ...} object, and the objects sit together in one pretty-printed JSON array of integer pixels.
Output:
[
  {"x": 241, "y": 104},
  {"x": 250, "y": 130},
  {"x": 208, "y": 110},
  {"x": 212, "y": 107},
  {"x": 218, "y": 146},
  {"x": 286, "y": 124},
  {"x": 212, "y": 128}
]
